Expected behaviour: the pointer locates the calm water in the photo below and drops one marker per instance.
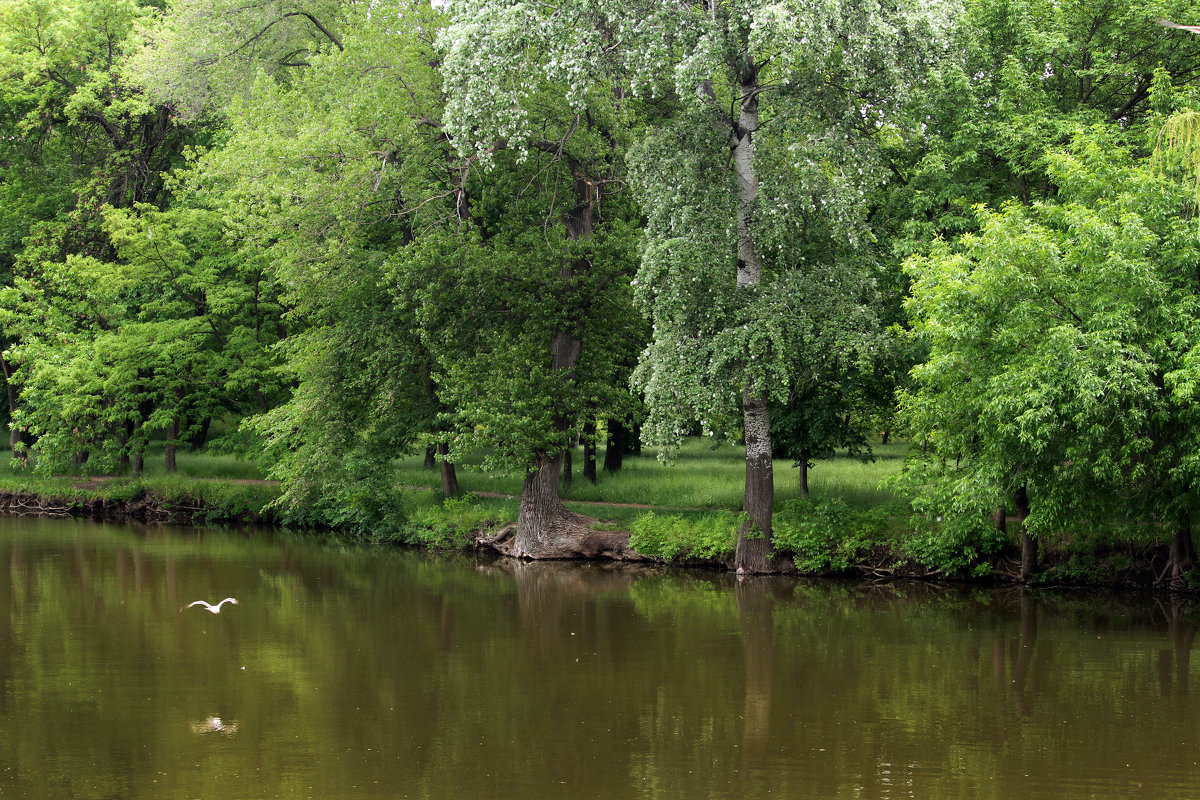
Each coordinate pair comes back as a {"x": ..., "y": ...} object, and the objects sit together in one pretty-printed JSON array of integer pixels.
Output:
[{"x": 350, "y": 674}]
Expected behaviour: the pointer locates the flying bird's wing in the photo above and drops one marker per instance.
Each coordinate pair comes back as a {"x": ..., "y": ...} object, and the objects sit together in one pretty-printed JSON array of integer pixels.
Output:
[{"x": 1166, "y": 23}]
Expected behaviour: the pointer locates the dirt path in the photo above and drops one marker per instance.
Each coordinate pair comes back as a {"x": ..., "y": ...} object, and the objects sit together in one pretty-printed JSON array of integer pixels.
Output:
[
  {"x": 502, "y": 496},
  {"x": 96, "y": 481}
]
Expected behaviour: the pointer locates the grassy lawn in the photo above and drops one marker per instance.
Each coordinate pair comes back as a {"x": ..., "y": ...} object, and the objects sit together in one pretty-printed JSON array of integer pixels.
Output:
[
  {"x": 688, "y": 505},
  {"x": 701, "y": 477}
]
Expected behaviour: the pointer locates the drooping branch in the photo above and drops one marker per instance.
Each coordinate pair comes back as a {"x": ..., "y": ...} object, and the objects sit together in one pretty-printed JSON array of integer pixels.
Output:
[{"x": 328, "y": 34}]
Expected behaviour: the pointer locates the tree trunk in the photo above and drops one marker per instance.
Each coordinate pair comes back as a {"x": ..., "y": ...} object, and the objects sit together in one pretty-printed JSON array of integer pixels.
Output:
[
  {"x": 754, "y": 550},
  {"x": 589, "y": 450},
  {"x": 803, "y": 463},
  {"x": 201, "y": 437},
  {"x": 124, "y": 436},
  {"x": 449, "y": 476},
  {"x": 1183, "y": 552},
  {"x": 884, "y": 436},
  {"x": 1000, "y": 519},
  {"x": 567, "y": 467},
  {"x": 1028, "y": 545},
  {"x": 546, "y": 529},
  {"x": 136, "y": 462},
  {"x": 614, "y": 445},
  {"x": 19, "y": 439},
  {"x": 169, "y": 448},
  {"x": 430, "y": 457}
]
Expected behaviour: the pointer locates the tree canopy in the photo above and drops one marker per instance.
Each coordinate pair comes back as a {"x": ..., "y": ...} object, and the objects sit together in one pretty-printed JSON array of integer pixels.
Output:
[{"x": 344, "y": 232}]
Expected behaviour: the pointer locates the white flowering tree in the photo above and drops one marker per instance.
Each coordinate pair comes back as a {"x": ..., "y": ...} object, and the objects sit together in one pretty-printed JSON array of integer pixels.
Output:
[{"x": 752, "y": 171}]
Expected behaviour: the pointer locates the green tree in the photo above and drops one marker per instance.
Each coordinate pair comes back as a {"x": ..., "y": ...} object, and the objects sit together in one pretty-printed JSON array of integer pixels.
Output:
[
  {"x": 84, "y": 139},
  {"x": 742, "y": 293},
  {"x": 1063, "y": 340},
  {"x": 342, "y": 170},
  {"x": 1031, "y": 73},
  {"x": 171, "y": 332}
]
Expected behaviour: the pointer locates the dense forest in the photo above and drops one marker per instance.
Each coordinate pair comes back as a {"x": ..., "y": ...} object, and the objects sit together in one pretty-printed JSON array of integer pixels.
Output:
[{"x": 328, "y": 233}]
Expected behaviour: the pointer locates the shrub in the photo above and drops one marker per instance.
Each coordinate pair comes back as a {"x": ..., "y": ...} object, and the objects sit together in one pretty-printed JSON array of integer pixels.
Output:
[
  {"x": 828, "y": 536},
  {"x": 674, "y": 536},
  {"x": 451, "y": 525}
]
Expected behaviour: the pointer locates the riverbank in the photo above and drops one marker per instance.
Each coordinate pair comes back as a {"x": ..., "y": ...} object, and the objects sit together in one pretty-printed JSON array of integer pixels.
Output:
[
  {"x": 170, "y": 500},
  {"x": 684, "y": 514},
  {"x": 828, "y": 539}
]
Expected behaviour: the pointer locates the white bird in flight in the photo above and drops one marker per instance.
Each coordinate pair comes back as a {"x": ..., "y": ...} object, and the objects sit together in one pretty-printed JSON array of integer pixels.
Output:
[
  {"x": 214, "y": 609},
  {"x": 1166, "y": 23}
]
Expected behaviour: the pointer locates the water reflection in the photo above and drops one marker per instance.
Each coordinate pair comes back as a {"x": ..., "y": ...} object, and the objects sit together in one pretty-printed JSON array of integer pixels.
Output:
[
  {"x": 225, "y": 727},
  {"x": 350, "y": 673}
]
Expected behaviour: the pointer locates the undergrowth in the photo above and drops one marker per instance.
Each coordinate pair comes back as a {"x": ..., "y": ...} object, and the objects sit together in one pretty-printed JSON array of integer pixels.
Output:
[
  {"x": 671, "y": 537},
  {"x": 829, "y": 536}
]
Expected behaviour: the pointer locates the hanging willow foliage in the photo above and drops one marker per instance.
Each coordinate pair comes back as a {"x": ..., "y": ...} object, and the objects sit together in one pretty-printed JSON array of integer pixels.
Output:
[{"x": 1179, "y": 146}]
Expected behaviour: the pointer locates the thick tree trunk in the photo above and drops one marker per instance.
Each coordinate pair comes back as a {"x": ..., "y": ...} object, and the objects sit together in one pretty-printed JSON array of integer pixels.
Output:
[
  {"x": 754, "y": 550},
  {"x": 567, "y": 467},
  {"x": 1028, "y": 545},
  {"x": 589, "y": 450},
  {"x": 546, "y": 529},
  {"x": 169, "y": 448},
  {"x": 136, "y": 462},
  {"x": 430, "y": 457},
  {"x": 1183, "y": 552},
  {"x": 449, "y": 476},
  {"x": 614, "y": 446}
]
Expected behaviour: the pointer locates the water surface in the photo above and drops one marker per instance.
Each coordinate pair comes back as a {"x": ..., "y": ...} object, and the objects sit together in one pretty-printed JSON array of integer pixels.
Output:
[{"x": 348, "y": 674}]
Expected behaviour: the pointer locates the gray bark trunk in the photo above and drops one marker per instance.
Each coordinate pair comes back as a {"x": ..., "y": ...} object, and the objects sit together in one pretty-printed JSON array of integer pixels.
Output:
[
  {"x": 754, "y": 549},
  {"x": 546, "y": 529}
]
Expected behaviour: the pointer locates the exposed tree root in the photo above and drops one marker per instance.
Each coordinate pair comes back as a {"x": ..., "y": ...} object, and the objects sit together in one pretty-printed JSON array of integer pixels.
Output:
[{"x": 564, "y": 536}]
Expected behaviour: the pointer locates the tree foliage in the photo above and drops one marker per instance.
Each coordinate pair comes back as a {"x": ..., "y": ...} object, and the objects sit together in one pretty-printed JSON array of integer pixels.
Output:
[{"x": 1062, "y": 349}]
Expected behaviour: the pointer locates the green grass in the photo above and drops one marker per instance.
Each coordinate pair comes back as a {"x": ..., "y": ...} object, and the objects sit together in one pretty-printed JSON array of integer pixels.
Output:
[
  {"x": 683, "y": 509},
  {"x": 701, "y": 477},
  {"x": 228, "y": 488}
]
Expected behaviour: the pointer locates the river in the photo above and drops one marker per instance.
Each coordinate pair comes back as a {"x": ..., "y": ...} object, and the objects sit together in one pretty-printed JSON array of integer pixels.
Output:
[{"x": 349, "y": 673}]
